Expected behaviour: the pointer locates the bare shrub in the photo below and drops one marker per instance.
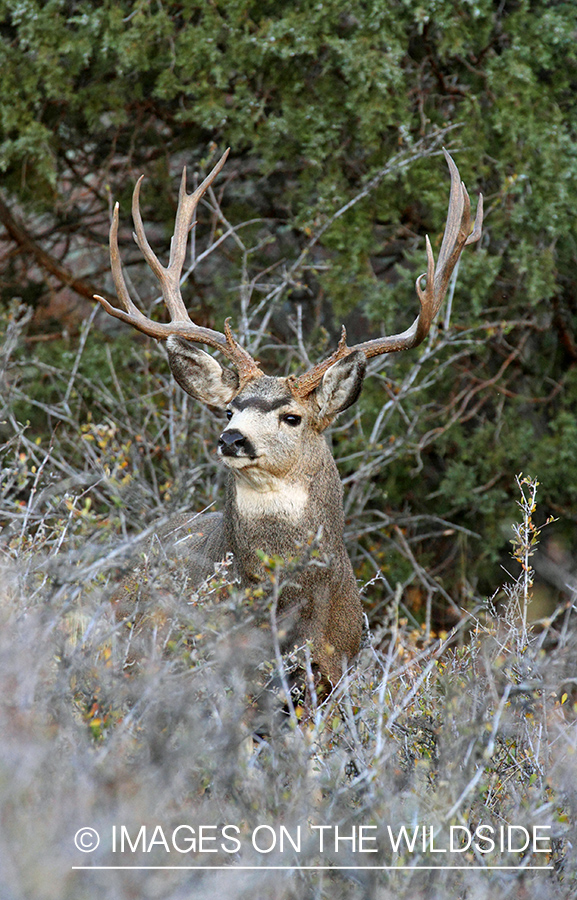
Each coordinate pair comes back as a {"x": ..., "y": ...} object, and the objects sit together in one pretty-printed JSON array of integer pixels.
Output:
[{"x": 177, "y": 714}]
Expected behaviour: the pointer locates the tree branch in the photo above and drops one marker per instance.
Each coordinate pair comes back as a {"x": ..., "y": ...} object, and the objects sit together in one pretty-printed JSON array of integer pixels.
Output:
[{"x": 52, "y": 265}]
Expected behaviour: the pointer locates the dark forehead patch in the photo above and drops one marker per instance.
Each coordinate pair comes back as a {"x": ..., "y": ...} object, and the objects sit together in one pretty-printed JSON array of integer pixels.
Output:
[{"x": 262, "y": 404}]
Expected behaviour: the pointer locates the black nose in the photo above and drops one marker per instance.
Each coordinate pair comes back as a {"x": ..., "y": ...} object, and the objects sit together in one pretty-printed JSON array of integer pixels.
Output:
[{"x": 231, "y": 441}]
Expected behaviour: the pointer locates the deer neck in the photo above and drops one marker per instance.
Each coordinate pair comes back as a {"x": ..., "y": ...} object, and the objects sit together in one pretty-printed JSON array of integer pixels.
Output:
[
  {"x": 279, "y": 515},
  {"x": 258, "y": 495}
]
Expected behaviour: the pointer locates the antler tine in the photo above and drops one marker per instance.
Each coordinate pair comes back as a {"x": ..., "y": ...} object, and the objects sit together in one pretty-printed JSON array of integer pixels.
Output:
[
  {"x": 456, "y": 236},
  {"x": 116, "y": 267},
  {"x": 169, "y": 280}
]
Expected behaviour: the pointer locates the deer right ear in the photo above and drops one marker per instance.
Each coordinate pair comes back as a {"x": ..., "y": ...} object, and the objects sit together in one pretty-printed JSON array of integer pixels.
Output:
[{"x": 199, "y": 374}]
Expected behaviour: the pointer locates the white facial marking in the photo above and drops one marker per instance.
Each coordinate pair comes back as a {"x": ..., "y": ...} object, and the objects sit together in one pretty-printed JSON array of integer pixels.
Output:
[{"x": 244, "y": 420}]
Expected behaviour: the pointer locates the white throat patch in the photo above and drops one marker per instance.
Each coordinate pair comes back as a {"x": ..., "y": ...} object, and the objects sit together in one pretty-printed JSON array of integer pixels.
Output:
[{"x": 266, "y": 495}]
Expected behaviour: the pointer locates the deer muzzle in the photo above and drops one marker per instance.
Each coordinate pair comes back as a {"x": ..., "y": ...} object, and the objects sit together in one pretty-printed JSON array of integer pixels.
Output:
[{"x": 234, "y": 443}]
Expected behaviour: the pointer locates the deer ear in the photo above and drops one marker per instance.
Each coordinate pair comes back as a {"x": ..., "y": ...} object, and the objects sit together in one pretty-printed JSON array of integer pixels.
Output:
[
  {"x": 341, "y": 386},
  {"x": 199, "y": 374}
]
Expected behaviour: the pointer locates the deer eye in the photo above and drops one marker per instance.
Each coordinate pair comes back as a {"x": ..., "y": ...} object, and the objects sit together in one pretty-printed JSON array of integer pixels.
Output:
[
  {"x": 291, "y": 419},
  {"x": 229, "y": 414}
]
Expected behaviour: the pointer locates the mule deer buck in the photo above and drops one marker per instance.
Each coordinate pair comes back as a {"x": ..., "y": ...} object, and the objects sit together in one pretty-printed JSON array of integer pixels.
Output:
[{"x": 283, "y": 486}]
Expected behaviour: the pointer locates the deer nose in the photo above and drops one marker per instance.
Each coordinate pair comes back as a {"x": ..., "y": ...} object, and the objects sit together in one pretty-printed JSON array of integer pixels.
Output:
[{"x": 231, "y": 441}]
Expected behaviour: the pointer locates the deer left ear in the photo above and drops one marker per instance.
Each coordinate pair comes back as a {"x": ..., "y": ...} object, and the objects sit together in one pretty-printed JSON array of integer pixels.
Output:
[{"x": 341, "y": 386}]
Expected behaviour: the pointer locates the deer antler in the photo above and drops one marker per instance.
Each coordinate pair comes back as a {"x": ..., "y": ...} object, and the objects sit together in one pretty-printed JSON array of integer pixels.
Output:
[
  {"x": 457, "y": 235},
  {"x": 169, "y": 280}
]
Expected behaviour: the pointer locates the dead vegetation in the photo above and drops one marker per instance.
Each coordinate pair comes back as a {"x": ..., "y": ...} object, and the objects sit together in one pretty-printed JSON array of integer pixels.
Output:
[{"x": 177, "y": 712}]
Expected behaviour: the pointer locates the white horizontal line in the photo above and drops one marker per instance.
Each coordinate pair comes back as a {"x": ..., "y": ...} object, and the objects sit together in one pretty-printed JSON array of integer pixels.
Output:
[{"x": 234, "y": 868}]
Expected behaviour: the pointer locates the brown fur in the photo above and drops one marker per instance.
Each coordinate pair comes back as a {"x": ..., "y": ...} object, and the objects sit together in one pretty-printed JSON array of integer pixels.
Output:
[{"x": 287, "y": 497}]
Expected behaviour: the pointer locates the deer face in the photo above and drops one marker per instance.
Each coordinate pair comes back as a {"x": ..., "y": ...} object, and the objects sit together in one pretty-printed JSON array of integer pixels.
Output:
[
  {"x": 270, "y": 433},
  {"x": 266, "y": 428}
]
